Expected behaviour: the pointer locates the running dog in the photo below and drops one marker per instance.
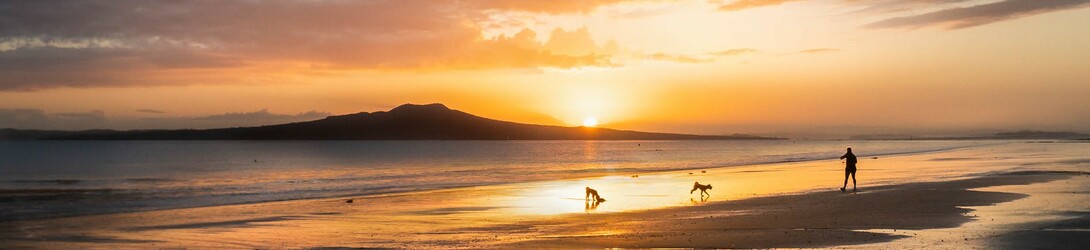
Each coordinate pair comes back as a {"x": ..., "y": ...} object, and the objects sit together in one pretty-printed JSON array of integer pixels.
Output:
[{"x": 703, "y": 188}]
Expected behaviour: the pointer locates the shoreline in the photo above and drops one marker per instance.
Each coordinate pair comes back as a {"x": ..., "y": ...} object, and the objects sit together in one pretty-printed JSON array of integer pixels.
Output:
[
  {"x": 551, "y": 213},
  {"x": 805, "y": 220},
  {"x": 424, "y": 191}
]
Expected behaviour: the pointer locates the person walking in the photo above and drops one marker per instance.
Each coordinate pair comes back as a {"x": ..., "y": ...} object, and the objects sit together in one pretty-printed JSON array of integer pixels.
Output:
[{"x": 849, "y": 169}]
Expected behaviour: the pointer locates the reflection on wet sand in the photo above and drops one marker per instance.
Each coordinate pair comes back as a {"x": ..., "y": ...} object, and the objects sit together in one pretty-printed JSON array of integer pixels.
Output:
[
  {"x": 703, "y": 199},
  {"x": 506, "y": 215},
  {"x": 591, "y": 205}
]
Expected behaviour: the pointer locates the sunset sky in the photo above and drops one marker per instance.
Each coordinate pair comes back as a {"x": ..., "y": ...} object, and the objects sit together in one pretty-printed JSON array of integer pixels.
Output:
[{"x": 710, "y": 67}]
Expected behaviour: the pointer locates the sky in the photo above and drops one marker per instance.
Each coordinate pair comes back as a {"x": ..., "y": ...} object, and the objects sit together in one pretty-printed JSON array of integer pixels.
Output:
[{"x": 770, "y": 67}]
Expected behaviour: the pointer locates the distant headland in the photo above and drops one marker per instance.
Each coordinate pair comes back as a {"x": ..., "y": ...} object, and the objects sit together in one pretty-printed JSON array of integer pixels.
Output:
[{"x": 406, "y": 122}]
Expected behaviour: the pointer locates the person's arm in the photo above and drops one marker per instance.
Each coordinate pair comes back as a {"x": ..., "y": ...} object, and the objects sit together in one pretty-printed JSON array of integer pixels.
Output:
[{"x": 844, "y": 156}]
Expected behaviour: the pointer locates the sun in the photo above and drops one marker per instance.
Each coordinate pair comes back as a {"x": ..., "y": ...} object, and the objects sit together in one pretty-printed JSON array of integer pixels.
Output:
[{"x": 590, "y": 122}]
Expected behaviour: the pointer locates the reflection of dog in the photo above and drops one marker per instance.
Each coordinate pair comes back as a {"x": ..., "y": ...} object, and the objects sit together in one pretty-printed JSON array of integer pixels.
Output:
[
  {"x": 593, "y": 195},
  {"x": 703, "y": 188},
  {"x": 592, "y": 205}
]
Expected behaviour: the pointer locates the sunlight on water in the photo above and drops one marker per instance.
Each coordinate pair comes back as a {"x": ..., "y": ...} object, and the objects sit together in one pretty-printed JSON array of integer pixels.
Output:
[
  {"x": 671, "y": 189},
  {"x": 653, "y": 191},
  {"x": 49, "y": 176}
]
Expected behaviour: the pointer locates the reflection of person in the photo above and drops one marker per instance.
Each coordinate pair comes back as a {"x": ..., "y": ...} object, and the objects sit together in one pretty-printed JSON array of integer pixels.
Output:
[{"x": 849, "y": 169}]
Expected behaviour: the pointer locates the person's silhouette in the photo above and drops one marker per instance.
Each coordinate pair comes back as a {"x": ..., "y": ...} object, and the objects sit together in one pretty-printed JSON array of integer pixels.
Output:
[{"x": 849, "y": 169}]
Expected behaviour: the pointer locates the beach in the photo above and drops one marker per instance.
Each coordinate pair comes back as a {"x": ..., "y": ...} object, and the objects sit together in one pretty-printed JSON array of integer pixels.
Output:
[
  {"x": 1017, "y": 194},
  {"x": 536, "y": 124}
]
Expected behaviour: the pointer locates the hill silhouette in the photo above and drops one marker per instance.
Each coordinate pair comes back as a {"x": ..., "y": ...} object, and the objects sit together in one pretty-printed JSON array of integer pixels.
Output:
[
  {"x": 406, "y": 122},
  {"x": 1017, "y": 135},
  {"x": 1033, "y": 134}
]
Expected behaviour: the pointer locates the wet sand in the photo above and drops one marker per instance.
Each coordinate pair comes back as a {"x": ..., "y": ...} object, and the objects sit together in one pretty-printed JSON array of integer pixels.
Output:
[
  {"x": 819, "y": 219},
  {"x": 1013, "y": 195}
]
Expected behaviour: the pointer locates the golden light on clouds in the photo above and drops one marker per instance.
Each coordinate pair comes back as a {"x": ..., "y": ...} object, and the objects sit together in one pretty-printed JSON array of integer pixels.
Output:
[{"x": 678, "y": 66}]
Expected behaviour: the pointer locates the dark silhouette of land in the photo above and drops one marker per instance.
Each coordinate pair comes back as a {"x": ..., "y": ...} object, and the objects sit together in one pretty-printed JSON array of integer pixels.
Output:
[
  {"x": 1017, "y": 135},
  {"x": 406, "y": 122},
  {"x": 1030, "y": 134}
]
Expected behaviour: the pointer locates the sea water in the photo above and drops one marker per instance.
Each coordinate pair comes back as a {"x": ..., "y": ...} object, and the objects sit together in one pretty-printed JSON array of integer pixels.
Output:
[{"x": 46, "y": 179}]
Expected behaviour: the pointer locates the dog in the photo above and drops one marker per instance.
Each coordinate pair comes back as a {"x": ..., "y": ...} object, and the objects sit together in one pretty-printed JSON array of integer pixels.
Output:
[
  {"x": 703, "y": 188},
  {"x": 593, "y": 195}
]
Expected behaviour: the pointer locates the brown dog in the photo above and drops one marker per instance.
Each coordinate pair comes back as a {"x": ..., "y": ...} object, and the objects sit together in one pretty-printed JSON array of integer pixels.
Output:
[
  {"x": 593, "y": 194},
  {"x": 703, "y": 188}
]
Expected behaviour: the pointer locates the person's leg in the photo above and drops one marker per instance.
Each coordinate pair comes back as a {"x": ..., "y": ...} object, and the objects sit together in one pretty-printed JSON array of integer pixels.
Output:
[
  {"x": 854, "y": 185},
  {"x": 846, "y": 173}
]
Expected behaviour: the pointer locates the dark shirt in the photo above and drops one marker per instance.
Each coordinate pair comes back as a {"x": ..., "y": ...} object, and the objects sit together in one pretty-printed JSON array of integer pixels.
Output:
[{"x": 851, "y": 159}]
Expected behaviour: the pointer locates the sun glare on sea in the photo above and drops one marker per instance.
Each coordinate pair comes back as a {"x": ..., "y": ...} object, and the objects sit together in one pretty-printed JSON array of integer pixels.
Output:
[{"x": 590, "y": 122}]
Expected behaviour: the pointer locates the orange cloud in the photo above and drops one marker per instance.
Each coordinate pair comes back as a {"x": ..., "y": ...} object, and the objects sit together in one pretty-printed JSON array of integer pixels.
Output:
[
  {"x": 523, "y": 51},
  {"x": 733, "y": 52},
  {"x": 676, "y": 58},
  {"x": 976, "y": 15},
  {"x": 47, "y": 45},
  {"x": 817, "y": 51},
  {"x": 707, "y": 57},
  {"x": 747, "y": 4},
  {"x": 553, "y": 7}
]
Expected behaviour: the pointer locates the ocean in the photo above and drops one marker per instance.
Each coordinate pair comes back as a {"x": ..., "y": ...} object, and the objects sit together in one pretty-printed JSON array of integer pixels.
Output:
[{"x": 48, "y": 179}]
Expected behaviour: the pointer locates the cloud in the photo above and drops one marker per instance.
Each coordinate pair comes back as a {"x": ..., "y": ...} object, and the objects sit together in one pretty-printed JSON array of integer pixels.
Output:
[
  {"x": 677, "y": 58},
  {"x": 643, "y": 12},
  {"x": 573, "y": 43},
  {"x": 151, "y": 111},
  {"x": 44, "y": 67},
  {"x": 230, "y": 119},
  {"x": 264, "y": 115},
  {"x": 748, "y": 4},
  {"x": 39, "y": 119},
  {"x": 817, "y": 51},
  {"x": 78, "y": 43},
  {"x": 868, "y": 6},
  {"x": 225, "y": 120},
  {"x": 814, "y": 51},
  {"x": 892, "y": 6},
  {"x": 21, "y": 118},
  {"x": 976, "y": 15},
  {"x": 733, "y": 52},
  {"x": 551, "y": 7},
  {"x": 93, "y": 116},
  {"x": 948, "y": 16},
  {"x": 522, "y": 50},
  {"x": 97, "y": 119},
  {"x": 704, "y": 58}
]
